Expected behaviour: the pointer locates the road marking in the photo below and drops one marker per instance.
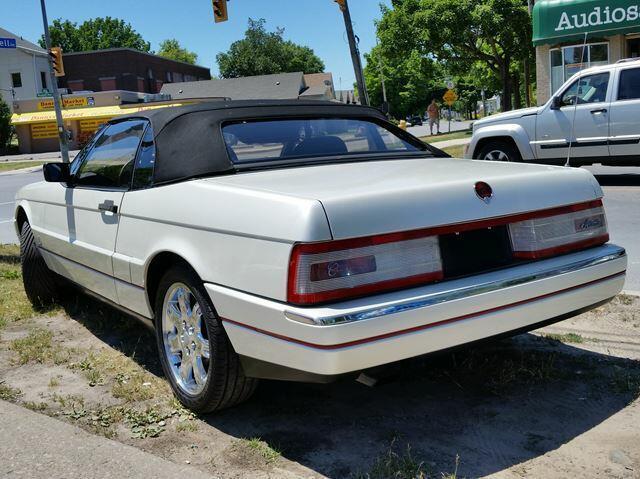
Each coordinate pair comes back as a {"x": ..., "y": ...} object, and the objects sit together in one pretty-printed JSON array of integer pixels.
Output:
[
  {"x": 7, "y": 221},
  {"x": 7, "y": 203}
]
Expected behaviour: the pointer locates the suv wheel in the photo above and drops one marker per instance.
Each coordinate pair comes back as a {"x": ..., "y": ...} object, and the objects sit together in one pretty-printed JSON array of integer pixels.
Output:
[
  {"x": 499, "y": 151},
  {"x": 197, "y": 358},
  {"x": 43, "y": 286}
]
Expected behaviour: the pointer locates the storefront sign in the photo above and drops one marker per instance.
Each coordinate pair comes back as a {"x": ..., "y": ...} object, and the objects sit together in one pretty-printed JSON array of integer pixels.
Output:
[
  {"x": 40, "y": 131},
  {"x": 554, "y": 21},
  {"x": 89, "y": 126},
  {"x": 77, "y": 102},
  {"x": 8, "y": 43}
]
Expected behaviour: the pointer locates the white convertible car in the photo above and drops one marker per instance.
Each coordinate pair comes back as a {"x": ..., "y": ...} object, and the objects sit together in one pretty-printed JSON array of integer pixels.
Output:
[{"x": 307, "y": 240}]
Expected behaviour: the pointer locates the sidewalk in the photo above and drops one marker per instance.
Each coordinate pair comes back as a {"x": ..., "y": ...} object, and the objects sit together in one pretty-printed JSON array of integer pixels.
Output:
[
  {"x": 36, "y": 446},
  {"x": 49, "y": 156},
  {"x": 448, "y": 143}
]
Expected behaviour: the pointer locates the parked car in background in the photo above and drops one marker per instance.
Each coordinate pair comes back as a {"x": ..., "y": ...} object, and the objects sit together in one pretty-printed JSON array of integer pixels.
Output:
[
  {"x": 415, "y": 120},
  {"x": 308, "y": 240},
  {"x": 596, "y": 112}
]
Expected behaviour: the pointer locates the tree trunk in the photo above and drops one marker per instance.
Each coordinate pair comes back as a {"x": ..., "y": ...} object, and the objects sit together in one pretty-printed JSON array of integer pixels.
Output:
[
  {"x": 527, "y": 77},
  {"x": 517, "y": 98},
  {"x": 506, "y": 86}
]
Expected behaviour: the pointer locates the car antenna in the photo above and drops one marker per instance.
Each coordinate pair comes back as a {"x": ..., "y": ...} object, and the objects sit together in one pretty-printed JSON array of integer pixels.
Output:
[{"x": 575, "y": 105}]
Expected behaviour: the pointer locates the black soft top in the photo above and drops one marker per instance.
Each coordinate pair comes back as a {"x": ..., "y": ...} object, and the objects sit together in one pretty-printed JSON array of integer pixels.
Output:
[{"x": 189, "y": 141}]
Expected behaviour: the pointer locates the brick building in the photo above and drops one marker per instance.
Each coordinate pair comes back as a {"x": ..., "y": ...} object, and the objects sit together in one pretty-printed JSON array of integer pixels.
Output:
[{"x": 125, "y": 69}]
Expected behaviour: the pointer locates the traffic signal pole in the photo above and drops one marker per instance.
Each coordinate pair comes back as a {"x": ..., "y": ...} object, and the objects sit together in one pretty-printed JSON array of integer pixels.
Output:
[
  {"x": 62, "y": 134},
  {"x": 355, "y": 53}
]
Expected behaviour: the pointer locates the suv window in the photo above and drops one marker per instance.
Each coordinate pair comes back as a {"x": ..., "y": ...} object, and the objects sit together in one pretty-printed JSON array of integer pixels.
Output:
[
  {"x": 109, "y": 163},
  {"x": 629, "y": 84},
  {"x": 588, "y": 89}
]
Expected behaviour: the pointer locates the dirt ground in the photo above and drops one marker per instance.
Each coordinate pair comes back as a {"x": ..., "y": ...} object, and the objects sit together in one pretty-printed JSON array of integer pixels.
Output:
[{"x": 560, "y": 402}]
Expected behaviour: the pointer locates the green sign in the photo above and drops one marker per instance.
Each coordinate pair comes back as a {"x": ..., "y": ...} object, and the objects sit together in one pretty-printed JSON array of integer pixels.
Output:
[
  {"x": 556, "y": 21},
  {"x": 43, "y": 93}
]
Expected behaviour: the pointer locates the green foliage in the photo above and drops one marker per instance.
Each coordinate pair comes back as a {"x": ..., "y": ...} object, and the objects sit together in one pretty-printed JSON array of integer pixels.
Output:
[
  {"x": 171, "y": 49},
  {"x": 6, "y": 130},
  {"x": 95, "y": 34},
  {"x": 411, "y": 80},
  {"x": 482, "y": 41},
  {"x": 262, "y": 53}
]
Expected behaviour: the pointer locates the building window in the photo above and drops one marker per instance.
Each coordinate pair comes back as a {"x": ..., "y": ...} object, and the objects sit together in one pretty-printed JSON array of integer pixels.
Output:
[
  {"x": 43, "y": 80},
  {"x": 16, "y": 80},
  {"x": 567, "y": 61},
  {"x": 169, "y": 77}
]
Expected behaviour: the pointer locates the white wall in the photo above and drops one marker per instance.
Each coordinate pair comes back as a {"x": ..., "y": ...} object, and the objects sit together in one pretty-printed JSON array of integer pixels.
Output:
[{"x": 23, "y": 61}]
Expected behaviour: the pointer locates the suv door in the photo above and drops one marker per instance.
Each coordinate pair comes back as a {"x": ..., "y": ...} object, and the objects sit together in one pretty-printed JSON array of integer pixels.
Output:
[
  {"x": 555, "y": 126},
  {"x": 625, "y": 111},
  {"x": 85, "y": 216}
]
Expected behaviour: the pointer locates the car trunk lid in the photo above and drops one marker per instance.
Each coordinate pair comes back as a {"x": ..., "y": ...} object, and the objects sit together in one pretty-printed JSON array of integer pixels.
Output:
[{"x": 376, "y": 197}]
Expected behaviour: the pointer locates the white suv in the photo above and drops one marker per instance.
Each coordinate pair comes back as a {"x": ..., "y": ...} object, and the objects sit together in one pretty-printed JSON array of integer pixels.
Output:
[{"x": 603, "y": 127}]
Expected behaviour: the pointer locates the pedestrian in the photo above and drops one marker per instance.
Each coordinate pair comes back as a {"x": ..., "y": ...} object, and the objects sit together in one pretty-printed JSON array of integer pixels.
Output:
[{"x": 433, "y": 112}]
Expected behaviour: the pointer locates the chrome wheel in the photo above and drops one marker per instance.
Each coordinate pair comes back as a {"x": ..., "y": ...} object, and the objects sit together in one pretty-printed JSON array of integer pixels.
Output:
[
  {"x": 496, "y": 155},
  {"x": 185, "y": 339}
]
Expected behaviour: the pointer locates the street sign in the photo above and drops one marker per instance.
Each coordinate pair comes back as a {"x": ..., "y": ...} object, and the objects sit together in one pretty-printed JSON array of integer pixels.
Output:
[
  {"x": 8, "y": 43},
  {"x": 450, "y": 97},
  {"x": 43, "y": 93}
]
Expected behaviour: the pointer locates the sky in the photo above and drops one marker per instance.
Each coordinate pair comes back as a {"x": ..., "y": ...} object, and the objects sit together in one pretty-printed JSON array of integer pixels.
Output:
[{"x": 317, "y": 24}]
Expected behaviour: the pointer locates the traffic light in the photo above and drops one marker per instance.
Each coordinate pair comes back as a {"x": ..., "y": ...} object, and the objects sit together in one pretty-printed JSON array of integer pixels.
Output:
[
  {"x": 342, "y": 4},
  {"x": 220, "y": 11},
  {"x": 56, "y": 60}
]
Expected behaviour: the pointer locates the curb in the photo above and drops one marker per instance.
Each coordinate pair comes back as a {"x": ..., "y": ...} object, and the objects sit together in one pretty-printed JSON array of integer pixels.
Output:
[{"x": 630, "y": 292}]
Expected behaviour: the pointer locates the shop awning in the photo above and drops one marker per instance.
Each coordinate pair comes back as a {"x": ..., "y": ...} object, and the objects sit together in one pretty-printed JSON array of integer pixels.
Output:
[
  {"x": 556, "y": 21},
  {"x": 85, "y": 113}
]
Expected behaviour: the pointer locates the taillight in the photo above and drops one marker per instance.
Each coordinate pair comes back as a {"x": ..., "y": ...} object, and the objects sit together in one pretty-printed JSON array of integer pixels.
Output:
[
  {"x": 578, "y": 226},
  {"x": 320, "y": 272}
]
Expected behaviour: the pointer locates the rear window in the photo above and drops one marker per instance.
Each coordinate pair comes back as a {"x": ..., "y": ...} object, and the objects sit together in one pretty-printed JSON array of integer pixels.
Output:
[{"x": 250, "y": 141}]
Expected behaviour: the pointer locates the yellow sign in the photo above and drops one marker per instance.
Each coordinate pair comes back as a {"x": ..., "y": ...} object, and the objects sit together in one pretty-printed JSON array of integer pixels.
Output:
[
  {"x": 78, "y": 102},
  {"x": 450, "y": 97},
  {"x": 92, "y": 125},
  {"x": 40, "y": 131}
]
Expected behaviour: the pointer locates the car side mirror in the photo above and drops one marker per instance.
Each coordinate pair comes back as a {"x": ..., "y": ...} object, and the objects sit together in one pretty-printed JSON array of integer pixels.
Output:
[
  {"x": 56, "y": 172},
  {"x": 556, "y": 103}
]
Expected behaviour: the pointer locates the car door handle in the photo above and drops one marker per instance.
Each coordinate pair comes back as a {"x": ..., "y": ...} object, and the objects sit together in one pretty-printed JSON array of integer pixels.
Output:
[
  {"x": 599, "y": 111},
  {"x": 108, "y": 207}
]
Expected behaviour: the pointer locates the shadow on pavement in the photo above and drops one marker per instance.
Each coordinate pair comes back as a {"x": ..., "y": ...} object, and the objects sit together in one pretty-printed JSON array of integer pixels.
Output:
[
  {"x": 495, "y": 406},
  {"x": 619, "y": 180}
]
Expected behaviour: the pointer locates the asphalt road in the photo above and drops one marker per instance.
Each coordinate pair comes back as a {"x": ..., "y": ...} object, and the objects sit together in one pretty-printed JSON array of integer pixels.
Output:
[{"x": 622, "y": 202}]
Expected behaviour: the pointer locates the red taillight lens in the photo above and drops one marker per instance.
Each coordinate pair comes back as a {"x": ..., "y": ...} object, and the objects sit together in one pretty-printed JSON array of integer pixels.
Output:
[
  {"x": 320, "y": 272},
  {"x": 580, "y": 226}
]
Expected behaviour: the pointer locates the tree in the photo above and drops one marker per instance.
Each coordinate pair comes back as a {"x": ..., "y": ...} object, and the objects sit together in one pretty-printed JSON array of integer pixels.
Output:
[
  {"x": 411, "y": 80},
  {"x": 262, "y": 53},
  {"x": 94, "y": 34},
  {"x": 171, "y": 49},
  {"x": 6, "y": 130},
  {"x": 463, "y": 33}
]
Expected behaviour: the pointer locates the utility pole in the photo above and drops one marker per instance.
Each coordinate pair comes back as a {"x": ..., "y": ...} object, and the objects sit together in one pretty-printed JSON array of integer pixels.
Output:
[
  {"x": 384, "y": 89},
  {"x": 355, "y": 53},
  {"x": 62, "y": 134}
]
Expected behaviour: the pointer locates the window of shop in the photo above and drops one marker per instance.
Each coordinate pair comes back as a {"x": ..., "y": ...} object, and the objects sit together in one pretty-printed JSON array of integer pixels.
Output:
[{"x": 567, "y": 61}]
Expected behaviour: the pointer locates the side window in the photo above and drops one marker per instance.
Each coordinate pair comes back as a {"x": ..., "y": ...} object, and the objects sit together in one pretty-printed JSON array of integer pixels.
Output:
[
  {"x": 109, "y": 163},
  {"x": 588, "y": 89},
  {"x": 629, "y": 84},
  {"x": 143, "y": 172}
]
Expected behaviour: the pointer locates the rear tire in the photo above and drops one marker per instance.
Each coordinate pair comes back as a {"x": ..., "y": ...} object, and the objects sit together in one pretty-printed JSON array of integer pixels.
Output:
[
  {"x": 43, "y": 286},
  {"x": 499, "y": 150},
  {"x": 188, "y": 331}
]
